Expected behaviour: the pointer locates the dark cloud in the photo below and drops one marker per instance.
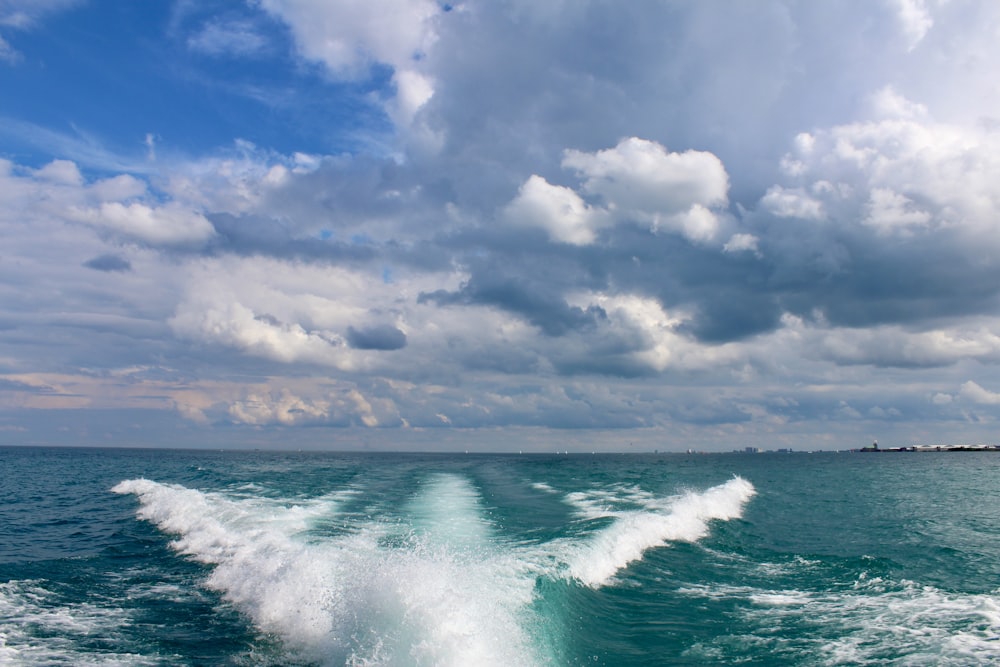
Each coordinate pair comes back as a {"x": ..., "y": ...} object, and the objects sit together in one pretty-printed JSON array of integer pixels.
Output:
[
  {"x": 533, "y": 301},
  {"x": 260, "y": 235},
  {"x": 378, "y": 337},
  {"x": 108, "y": 263}
]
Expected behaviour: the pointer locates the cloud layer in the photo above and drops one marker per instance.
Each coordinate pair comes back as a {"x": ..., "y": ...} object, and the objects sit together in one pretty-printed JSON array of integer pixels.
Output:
[{"x": 691, "y": 225}]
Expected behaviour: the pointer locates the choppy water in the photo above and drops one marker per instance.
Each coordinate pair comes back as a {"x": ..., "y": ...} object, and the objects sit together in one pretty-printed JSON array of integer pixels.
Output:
[{"x": 141, "y": 557}]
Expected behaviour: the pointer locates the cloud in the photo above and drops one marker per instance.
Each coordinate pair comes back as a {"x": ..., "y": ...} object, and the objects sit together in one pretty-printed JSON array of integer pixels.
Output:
[
  {"x": 378, "y": 337},
  {"x": 977, "y": 394},
  {"x": 558, "y": 210},
  {"x": 742, "y": 243},
  {"x": 24, "y": 14},
  {"x": 108, "y": 263},
  {"x": 285, "y": 408},
  {"x": 239, "y": 38},
  {"x": 793, "y": 203},
  {"x": 637, "y": 180},
  {"x": 347, "y": 37},
  {"x": 171, "y": 224},
  {"x": 234, "y": 324},
  {"x": 7, "y": 52},
  {"x": 351, "y": 39},
  {"x": 701, "y": 222},
  {"x": 915, "y": 19},
  {"x": 641, "y": 176}
]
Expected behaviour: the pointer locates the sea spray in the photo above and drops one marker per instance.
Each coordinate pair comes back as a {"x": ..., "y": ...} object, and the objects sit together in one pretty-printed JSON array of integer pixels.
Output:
[
  {"x": 681, "y": 518},
  {"x": 437, "y": 594}
]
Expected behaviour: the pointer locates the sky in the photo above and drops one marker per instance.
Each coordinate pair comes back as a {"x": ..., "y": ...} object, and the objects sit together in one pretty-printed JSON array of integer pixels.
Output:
[{"x": 499, "y": 225}]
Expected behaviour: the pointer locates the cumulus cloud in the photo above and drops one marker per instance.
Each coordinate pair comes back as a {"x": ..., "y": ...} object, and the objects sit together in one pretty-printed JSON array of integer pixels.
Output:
[
  {"x": 351, "y": 38},
  {"x": 797, "y": 233},
  {"x": 792, "y": 203},
  {"x": 890, "y": 211},
  {"x": 971, "y": 391},
  {"x": 641, "y": 175},
  {"x": 742, "y": 243},
  {"x": 637, "y": 180},
  {"x": 558, "y": 210},
  {"x": 348, "y": 36},
  {"x": 899, "y": 174},
  {"x": 285, "y": 408},
  {"x": 233, "y": 324},
  {"x": 171, "y": 224}
]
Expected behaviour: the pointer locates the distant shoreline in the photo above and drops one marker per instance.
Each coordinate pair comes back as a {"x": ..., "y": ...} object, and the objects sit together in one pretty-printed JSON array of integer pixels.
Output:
[{"x": 929, "y": 448}]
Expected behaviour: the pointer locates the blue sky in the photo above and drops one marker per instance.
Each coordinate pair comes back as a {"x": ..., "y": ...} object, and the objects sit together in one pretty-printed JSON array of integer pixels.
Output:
[
  {"x": 191, "y": 79},
  {"x": 400, "y": 224}
]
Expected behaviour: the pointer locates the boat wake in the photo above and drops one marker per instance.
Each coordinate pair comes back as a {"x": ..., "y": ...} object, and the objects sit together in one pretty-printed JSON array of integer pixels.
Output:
[{"x": 437, "y": 584}]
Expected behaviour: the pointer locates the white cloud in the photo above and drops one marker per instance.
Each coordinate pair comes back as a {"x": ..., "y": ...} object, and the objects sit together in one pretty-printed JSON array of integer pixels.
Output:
[
  {"x": 894, "y": 346},
  {"x": 292, "y": 312},
  {"x": 904, "y": 173},
  {"x": 977, "y": 394},
  {"x": 641, "y": 175},
  {"x": 888, "y": 211},
  {"x": 171, "y": 224},
  {"x": 942, "y": 399},
  {"x": 742, "y": 243},
  {"x": 237, "y": 38},
  {"x": 556, "y": 209},
  {"x": 24, "y": 14},
  {"x": 233, "y": 324},
  {"x": 348, "y": 36},
  {"x": 888, "y": 103},
  {"x": 284, "y": 408},
  {"x": 62, "y": 172},
  {"x": 635, "y": 180},
  {"x": 792, "y": 203},
  {"x": 914, "y": 18},
  {"x": 7, "y": 52}
]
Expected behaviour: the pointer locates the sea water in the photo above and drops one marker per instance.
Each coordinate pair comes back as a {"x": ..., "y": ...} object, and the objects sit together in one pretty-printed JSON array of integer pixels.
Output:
[{"x": 165, "y": 557}]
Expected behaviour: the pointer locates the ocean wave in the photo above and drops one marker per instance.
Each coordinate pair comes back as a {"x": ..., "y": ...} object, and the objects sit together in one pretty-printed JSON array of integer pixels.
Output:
[{"x": 683, "y": 518}]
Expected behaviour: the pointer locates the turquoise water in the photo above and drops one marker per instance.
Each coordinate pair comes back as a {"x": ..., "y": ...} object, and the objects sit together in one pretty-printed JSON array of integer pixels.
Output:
[{"x": 143, "y": 557}]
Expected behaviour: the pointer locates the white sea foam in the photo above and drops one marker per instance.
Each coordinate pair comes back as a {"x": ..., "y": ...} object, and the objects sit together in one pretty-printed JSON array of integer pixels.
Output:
[
  {"x": 542, "y": 486},
  {"x": 872, "y": 619},
  {"x": 36, "y": 628},
  {"x": 683, "y": 518},
  {"x": 443, "y": 594},
  {"x": 437, "y": 586},
  {"x": 931, "y": 626}
]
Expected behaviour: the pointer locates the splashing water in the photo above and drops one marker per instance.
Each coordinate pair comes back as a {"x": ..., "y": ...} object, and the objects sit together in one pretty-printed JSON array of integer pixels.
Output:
[{"x": 435, "y": 585}]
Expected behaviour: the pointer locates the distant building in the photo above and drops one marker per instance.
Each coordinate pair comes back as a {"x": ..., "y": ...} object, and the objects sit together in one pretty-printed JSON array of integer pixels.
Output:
[{"x": 752, "y": 450}]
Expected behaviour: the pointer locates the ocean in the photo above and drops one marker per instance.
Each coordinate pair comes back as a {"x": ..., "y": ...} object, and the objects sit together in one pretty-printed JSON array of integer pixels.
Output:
[{"x": 171, "y": 557}]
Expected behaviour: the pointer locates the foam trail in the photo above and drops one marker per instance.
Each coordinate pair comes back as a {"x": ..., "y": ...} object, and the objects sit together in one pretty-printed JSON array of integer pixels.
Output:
[
  {"x": 37, "y": 628},
  {"x": 442, "y": 595},
  {"x": 448, "y": 512},
  {"x": 874, "y": 618},
  {"x": 684, "y": 518}
]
